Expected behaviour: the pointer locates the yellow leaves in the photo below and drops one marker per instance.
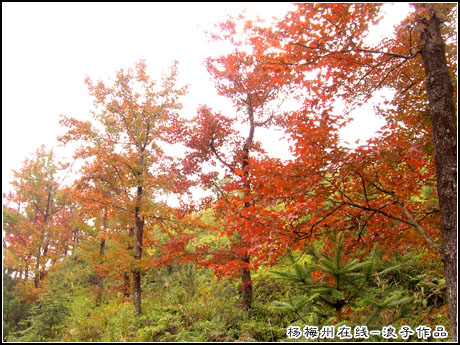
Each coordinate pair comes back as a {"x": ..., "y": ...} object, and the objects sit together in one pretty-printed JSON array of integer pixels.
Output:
[
  {"x": 142, "y": 76},
  {"x": 79, "y": 130}
]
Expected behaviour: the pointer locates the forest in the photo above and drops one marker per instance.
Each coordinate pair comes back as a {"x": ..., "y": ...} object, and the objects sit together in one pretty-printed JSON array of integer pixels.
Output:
[{"x": 333, "y": 242}]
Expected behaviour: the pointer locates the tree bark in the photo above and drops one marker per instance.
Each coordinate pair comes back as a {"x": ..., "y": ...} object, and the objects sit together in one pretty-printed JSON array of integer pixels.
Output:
[
  {"x": 100, "y": 278},
  {"x": 126, "y": 279},
  {"x": 443, "y": 119},
  {"x": 246, "y": 281},
  {"x": 138, "y": 254},
  {"x": 137, "y": 290},
  {"x": 37, "y": 276},
  {"x": 246, "y": 285}
]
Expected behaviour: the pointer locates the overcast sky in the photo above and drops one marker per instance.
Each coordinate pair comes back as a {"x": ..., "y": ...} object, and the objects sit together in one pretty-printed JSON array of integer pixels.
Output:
[{"x": 49, "y": 48}]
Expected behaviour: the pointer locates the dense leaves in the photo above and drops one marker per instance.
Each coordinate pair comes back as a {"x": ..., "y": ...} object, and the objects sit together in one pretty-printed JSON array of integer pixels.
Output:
[{"x": 76, "y": 252}]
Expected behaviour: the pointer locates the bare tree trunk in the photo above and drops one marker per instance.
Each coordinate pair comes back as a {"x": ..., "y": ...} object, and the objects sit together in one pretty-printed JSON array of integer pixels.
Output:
[
  {"x": 126, "y": 285},
  {"x": 137, "y": 290},
  {"x": 443, "y": 119},
  {"x": 246, "y": 285},
  {"x": 100, "y": 278},
  {"x": 126, "y": 278},
  {"x": 246, "y": 281},
  {"x": 37, "y": 264},
  {"x": 37, "y": 276},
  {"x": 26, "y": 273},
  {"x": 138, "y": 255}
]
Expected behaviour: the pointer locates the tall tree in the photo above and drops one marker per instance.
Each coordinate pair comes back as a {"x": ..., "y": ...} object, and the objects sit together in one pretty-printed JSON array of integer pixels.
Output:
[
  {"x": 418, "y": 64},
  {"x": 230, "y": 141},
  {"x": 134, "y": 115},
  {"x": 97, "y": 199},
  {"x": 37, "y": 230},
  {"x": 440, "y": 90}
]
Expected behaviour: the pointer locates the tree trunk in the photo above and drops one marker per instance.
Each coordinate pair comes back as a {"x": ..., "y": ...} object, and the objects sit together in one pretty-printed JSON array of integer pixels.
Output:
[
  {"x": 126, "y": 284},
  {"x": 137, "y": 290},
  {"x": 442, "y": 113},
  {"x": 100, "y": 278},
  {"x": 338, "y": 314},
  {"x": 138, "y": 254},
  {"x": 26, "y": 273},
  {"x": 246, "y": 285},
  {"x": 246, "y": 282},
  {"x": 37, "y": 277},
  {"x": 126, "y": 278}
]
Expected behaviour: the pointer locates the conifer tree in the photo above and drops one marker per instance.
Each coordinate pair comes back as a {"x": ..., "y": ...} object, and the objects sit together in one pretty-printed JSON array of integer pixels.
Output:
[{"x": 333, "y": 281}]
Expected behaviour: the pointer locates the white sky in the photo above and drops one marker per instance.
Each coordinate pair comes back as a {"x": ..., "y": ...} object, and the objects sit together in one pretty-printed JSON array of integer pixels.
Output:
[{"x": 49, "y": 48}]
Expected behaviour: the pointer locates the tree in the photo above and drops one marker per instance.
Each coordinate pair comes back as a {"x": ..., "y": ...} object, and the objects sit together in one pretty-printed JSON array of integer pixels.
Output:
[
  {"x": 126, "y": 152},
  {"x": 37, "y": 231},
  {"x": 14, "y": 309},
  {"x": 216, "y": 140},
  {"x": 440, "y": 90},
  {"x": 417, "y": 64},
  {"x": 334, "y": 281},
  {"x": 93, "y": 193}
]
